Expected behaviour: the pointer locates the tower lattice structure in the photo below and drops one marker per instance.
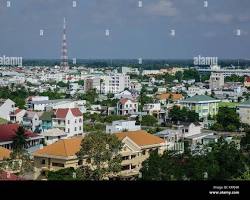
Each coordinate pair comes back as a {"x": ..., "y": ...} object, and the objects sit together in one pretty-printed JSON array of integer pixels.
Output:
[{"x": 64, "y": 51}]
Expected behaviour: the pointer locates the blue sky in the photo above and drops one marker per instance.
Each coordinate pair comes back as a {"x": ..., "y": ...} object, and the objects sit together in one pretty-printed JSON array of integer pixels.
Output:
[{"x": 134, "y": 32}]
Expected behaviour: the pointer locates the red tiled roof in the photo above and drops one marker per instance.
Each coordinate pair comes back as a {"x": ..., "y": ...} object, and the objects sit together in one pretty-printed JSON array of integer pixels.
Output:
[
  {"x": 62, "y": 112},
  {"x": 247, "y": 79},
  {"x": 8, "y": 131},
  {"x": 124, "y": 100},
  {"x": 7, "y": 176},
  {"x": 18, "y": 110},
  {"x": 76, "y": 112}
]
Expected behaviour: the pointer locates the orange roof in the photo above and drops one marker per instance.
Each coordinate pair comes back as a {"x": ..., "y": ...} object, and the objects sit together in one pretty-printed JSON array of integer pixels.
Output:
[
  {"x": 166, "y": 96},
  {"x": 4, "y": 153},
  {"x": 64, "y": 148},
  {"x": 141, "y": 137}
]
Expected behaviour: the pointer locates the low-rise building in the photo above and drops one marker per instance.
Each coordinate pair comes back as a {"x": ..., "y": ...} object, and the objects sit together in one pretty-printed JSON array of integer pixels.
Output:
[
  {"x": 8, "y": 132},
  {"x": 53, "y": 135},
  {"x": 152, "y": 108},
  {"x": 122, "y": 125}
]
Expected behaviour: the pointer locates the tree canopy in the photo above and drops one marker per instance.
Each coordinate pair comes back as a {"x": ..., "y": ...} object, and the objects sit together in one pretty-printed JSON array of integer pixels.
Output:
[{"x": 101, "y": 151}]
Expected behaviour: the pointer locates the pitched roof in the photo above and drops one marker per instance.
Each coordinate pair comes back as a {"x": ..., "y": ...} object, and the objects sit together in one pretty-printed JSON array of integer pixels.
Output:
[
  {"x": 247, "y": 79},
  {"x": 198, "y": 98},
  {"x": 64, "y": 148},
  {"x": 141, "y": 137},
  {"x": 124, "y": 100},
  {"x": 173, "y": 96},
  {"x": 8, "y": 131},
  {"x": 7, "y": 176},
  {"x": 62, "y": 112},
  {"x": 4, "y": 153}
]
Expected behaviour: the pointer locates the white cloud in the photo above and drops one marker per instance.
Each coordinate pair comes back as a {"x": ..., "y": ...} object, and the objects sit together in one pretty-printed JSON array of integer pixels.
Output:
[{"x": 162, "y": 8}]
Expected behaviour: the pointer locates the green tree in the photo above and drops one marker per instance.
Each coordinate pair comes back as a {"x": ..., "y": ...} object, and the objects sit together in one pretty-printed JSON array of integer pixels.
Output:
[
  {"x": 102, "y": 153},
  {"x": 191, "y": 74},
  {"x": 179, "y": 76},
  {"x": 148, "y": 120},
  {"x": 68, "y": 174},
  {"x": 228, "y": 116}
]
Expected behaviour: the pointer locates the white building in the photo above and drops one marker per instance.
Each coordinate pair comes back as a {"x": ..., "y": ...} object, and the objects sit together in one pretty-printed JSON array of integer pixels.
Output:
[
  {"x": 152, "y": 108},
  {"x": 70, "y": 120},
  {"x": 53, "y": 135},
  {"x": 127, "y": 107},
  {"x": 17, "y": 116},
  {"x": 122, "y": 125},
  {"x": 193, "y": 90},
  {"x": 31, "y": 120},
  {"x": 115, "y": 83},
  {"x": 6, "y": 108},
  {"x": 216, "y": 81},
  {"x": 151, "y": 72},
  {"x": 130, "y": 70}
]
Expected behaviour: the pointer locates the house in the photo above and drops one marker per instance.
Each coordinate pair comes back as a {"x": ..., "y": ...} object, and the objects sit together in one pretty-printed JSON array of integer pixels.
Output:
[
  {"x": 244, "y": 112},
  {"x": 137, "y": 146},
  {"x": 188, "y": 128},
  {"x": 202, "y": 104},
  {"x": 8, "y": 132},
  {"x": 152, "y": 108},
  {"x": 7, "y": 176},
  {"x": 216, "y": 81},
  {"x": 17, "y": 116},
  {"x": 31, "y": 120},
  {"x": 70, "y": 120},
  {"x": 173, "y": 138},
  {"x": 247, "y": 81},
  {"x": 7, "y": 106},
  {"x": 193, "y": 90},
  {"x": 53, "y": 135},
  {"x": 124, "y": 94},
  {"x": 122, "y": 125},
  {"x": 164, "y": 98},
  {"x": 127, "y": 107},
  {"x": 59, "y": 155}
]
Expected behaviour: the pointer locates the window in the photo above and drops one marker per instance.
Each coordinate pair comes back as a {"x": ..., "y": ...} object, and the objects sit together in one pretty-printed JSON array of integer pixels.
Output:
[
  {"x": 125, "y": 158},
  {"x": 68, "y": 130},
  {"x": 80, "y": 120},
  {"x": 68, "y": 121},
  {"x": 144, "y": 152},
  {"x": 80, "y": 162},
  {"x": 57, "y": 164},
  {"x": 80, "y": 128},
  {"x": 133, "y": 156},
  {"x": 75, "y": 128},
  {"x": 43, "y": 162},
  {"x": 75, "y": 121},
  {"x": 126, "y": 167}
]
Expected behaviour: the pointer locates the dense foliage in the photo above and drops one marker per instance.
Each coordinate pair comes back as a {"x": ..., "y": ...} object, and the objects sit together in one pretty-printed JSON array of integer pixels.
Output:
[{"x": 176, "y": 114}]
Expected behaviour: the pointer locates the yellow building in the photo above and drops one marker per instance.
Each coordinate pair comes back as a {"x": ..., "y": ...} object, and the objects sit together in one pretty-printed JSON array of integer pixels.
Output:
[
  {"x": 136, "y": 148},
  {"x": 4, "y": 153}
]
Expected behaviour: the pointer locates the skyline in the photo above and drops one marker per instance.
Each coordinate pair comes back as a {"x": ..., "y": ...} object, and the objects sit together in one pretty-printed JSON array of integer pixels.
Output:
[{"x": 135, "y": 32}]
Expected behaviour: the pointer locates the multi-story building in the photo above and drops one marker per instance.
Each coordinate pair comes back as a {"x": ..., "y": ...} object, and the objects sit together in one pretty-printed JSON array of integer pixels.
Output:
[
  {"x": 92, "y": 83},
  {"x": 137, "y": 146},
  {"x": 70, "y": 120},
  {"x": 216, "y": 81},
  {"x": 31, "y": 121},
  {"x": 152, "y": 108},
  {"x": 115, "y": 83},
  {"x": 244, "y": 112},
  {"x": 127, "y": 107},
  {"x": 203, "y": 105},
  {"x": 17, "y": 116},
  {"x": 193, "y": 90},
  {"x": 122, "y": 125}
]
